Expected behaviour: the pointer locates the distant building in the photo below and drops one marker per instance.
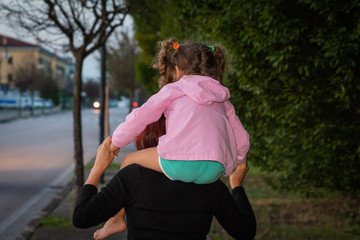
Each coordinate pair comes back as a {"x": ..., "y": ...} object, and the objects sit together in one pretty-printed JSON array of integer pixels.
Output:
[{"x": 15, "y": 53}]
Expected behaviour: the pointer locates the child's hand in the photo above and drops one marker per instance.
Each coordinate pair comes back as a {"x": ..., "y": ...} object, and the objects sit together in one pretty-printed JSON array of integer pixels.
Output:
[{"x": 115, "y": 149}]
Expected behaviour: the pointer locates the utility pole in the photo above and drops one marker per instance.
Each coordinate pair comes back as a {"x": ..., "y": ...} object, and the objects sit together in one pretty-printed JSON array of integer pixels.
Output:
[{"x": 102, "y": 98}]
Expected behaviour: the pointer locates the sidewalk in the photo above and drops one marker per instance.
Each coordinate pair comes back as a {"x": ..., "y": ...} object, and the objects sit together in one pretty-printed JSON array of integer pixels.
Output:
[
  {"x": 60, "y": 212},
  {"x": 63, "y": 211},
  {"x": 12, "y": 114}
]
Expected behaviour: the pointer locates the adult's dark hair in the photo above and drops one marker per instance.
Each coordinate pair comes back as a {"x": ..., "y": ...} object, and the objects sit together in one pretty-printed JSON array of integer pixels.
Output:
[{"x": 150, "y": 136}]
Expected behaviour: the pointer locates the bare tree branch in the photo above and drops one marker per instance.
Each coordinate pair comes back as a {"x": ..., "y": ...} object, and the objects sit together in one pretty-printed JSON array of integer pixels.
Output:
[
  {"x": 76, "y": 17},
  {"x": 67, "y": 31}
]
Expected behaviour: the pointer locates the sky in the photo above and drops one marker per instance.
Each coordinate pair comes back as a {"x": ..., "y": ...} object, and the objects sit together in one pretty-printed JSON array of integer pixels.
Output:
[{"x": 91, "y": 68}]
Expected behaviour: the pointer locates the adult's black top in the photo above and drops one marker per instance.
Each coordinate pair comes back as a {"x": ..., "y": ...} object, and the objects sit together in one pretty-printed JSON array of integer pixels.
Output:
[{"x": 158, "y": 208}]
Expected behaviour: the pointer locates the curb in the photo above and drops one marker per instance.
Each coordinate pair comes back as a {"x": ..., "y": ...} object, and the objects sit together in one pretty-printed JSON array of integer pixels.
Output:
[
  {"x": 12, "y": 118},
  {"x": 29, "y": 230},
  {"x": 5, "y": 120}
]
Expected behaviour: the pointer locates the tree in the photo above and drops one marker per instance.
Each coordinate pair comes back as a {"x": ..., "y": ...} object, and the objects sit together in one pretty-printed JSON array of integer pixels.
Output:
[
  {"x": 26, "y": 78},
  {"x": 121, "y": 60},
  {"x": 84, "y": 25},
  {"x": 48, "y": 88},
  {"x": 92, "y": 89},
  {"x": 148, "y": 23},
  {"x": 294, "y": 80}
]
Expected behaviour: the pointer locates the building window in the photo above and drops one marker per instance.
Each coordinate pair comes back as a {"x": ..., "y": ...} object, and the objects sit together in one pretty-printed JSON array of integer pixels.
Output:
[
  {"x": 9, "y": 77},
  {"x": 41, "y": 65},
  {"x": 60, "y": 72},
  {"x": 10, "y": 60}
]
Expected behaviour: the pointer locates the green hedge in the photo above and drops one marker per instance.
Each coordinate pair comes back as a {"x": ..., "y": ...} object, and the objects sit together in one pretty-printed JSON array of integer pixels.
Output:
[{"x": 294, "y": 79}]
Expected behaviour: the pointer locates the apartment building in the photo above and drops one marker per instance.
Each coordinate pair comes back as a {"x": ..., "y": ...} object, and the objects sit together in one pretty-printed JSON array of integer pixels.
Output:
[{"x": 16, "y": 54}]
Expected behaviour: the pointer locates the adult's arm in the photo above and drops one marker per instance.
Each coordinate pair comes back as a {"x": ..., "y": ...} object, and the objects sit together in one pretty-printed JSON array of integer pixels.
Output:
[
  {"x": 234, "y": 211},
  {"x": 104, "y": 157},
  {"x": 93, "y": 208}
]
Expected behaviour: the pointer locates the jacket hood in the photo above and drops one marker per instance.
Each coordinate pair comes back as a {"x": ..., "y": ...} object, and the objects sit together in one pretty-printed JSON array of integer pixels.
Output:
[{"x": 203, "y": 90}]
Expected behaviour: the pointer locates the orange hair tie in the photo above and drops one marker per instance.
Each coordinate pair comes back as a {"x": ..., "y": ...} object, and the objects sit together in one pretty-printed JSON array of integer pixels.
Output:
[{"x": 176, "y": 46}]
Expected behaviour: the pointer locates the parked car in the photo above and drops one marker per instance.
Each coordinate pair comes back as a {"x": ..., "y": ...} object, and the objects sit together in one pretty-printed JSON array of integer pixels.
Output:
[
  {"x": 11, "y": 102},
  {"x": 113, "y": 103}
]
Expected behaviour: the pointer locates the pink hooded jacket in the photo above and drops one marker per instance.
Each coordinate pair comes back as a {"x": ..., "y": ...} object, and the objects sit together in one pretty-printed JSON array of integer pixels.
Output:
[{"x": 200, "y": 123}]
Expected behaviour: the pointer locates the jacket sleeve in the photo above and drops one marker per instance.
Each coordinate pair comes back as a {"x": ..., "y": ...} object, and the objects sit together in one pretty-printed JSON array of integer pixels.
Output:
[
  {"x": 93, "y": 208},
  {"x": 235, "y": 214},
  {"x": 139, "y": 118},
  {"x": 241, "y": 135}
]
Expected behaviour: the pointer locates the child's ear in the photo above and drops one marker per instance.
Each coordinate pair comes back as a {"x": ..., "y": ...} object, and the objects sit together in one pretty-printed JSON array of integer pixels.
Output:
[{"x": 179, "y": 73}]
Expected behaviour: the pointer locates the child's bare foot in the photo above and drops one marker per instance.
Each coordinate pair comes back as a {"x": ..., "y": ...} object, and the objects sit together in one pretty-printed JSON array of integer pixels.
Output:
[{"x": 112, "y": 226}]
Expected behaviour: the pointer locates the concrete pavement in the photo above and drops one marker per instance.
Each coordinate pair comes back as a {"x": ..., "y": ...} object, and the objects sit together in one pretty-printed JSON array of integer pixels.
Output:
[{"x": 62, "y": 209}]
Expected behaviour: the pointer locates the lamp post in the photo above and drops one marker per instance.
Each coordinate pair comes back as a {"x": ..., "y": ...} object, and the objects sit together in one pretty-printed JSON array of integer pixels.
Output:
[{"x": 103, "y": 104}]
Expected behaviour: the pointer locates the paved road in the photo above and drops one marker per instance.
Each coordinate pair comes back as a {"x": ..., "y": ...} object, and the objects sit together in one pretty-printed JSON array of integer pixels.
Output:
[{"x": 36, "y": 161}]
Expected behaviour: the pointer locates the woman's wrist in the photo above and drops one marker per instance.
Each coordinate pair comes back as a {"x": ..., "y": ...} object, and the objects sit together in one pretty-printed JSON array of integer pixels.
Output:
[
  {"x": 94, "y": 176},
  {"x": 237, "y": 176},
  {"x": 103, "y": 159},
  {"x": 235, "y": 183}
]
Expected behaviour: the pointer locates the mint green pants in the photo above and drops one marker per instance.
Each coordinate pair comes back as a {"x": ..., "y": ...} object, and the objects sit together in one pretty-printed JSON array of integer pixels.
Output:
[{"x": 199, "y": 172}]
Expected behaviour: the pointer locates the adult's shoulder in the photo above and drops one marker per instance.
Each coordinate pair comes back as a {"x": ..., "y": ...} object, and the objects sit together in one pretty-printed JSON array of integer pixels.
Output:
[
  {"x": 135, "y": 171},
  {"x": 138, "y": 176},
  {"x": 129, "y": 172},
  {"x": 127, "y": 176},
  {"x": 126, "y": 180},
  {"x": 221, "y": 186}
]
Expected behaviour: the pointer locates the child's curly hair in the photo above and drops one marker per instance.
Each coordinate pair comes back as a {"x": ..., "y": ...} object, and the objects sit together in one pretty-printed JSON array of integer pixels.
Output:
[{"x": 191, "y": 58}]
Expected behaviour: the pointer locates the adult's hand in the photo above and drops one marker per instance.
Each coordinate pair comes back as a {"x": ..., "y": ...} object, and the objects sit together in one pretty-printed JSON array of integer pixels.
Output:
[
  {"x": 236, "y": 177},
  {"x": 104, "y": 157}
]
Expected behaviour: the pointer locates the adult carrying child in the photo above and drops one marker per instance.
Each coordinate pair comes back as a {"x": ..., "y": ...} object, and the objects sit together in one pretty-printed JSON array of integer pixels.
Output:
[{"x": 204, "y": 137}]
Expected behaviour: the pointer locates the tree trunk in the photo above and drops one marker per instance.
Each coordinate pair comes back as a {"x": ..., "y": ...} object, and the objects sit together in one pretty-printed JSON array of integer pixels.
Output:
[
  {"x": 78, "y": 150},
  {"x": 43, "y": 106},
  {"x": 106, "y": 117},
  {"x": 32, "y": 103},
  {"x": 131, "y": 99},
  {"x": 20, "y": 105}
]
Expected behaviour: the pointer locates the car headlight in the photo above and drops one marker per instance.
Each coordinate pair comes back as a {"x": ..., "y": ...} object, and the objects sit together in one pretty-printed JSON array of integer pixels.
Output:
[{"x": 96, "y": 104}]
